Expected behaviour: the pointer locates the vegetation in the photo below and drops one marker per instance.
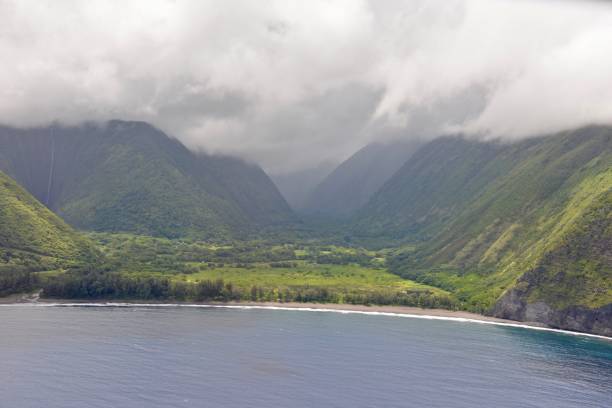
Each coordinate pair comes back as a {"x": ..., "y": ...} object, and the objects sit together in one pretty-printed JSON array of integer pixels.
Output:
[
  {"x": 140, "y": 267},
  {"x": 18, "y": 281},
  {"x": 111, "y": 285},
  {"x": 480, "y": 226},
  {"x": 131, "y": 177},
  {"x": 38, "y": 250},
  {"x": 496, "y": 216},
  {"x": 32, "y": 238},
  {"x": 27, "y": 226}
]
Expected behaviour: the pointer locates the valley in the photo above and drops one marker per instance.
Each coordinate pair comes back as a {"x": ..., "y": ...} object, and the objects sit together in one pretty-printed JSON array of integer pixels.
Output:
[
  {"x": 331, "y": 203},
  {"x": 520, "y": 231}
]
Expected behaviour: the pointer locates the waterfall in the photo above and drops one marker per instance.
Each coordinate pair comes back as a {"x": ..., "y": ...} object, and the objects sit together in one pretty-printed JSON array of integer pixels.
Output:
[{"x": 51, "y": 168}]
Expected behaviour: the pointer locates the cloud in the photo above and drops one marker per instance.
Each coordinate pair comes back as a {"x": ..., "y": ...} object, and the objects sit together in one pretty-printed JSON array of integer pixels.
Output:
[{"x": 291, "y": 84}]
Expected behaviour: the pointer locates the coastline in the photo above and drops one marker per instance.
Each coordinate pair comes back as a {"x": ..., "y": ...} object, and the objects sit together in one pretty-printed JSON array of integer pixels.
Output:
[
  {"x": 380, "y": 310},
  {"x": 403, "y": 310}
]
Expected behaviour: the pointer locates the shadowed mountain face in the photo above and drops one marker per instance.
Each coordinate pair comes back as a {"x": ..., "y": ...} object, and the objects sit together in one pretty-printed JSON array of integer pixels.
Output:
[
  {"x": 521, "y": 230},
  {"x": 129, "y": 176},
  {"x": 351, "y": 184},
  {"x": 297, "y": 186}
]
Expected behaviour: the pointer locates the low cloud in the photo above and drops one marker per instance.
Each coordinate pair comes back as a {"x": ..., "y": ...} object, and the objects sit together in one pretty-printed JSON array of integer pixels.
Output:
[{"x": 290, "y": 84}]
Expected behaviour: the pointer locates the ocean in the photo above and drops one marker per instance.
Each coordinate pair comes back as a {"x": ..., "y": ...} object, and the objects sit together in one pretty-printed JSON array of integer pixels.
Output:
[{"x": 88, "y": 356}]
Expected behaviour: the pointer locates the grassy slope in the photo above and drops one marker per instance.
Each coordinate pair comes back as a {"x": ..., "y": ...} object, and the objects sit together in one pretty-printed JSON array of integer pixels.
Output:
[
  {"x": 353, "y": 276},
  {"x": 421, "y": 196},
  {"x": 480, "y": 219},
  {"x": 31, "y": 236},
  {"x": 577, "y": 268}
]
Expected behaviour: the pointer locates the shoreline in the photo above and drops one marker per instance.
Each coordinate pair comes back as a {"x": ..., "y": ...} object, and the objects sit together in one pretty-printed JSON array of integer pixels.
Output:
[
  {"x": 379, "y": 310},
  {"x": 405, "y": 310}
]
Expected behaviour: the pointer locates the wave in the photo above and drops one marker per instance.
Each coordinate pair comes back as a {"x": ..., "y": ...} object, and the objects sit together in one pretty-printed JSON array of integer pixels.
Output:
[{"x": 308, "y": 309}]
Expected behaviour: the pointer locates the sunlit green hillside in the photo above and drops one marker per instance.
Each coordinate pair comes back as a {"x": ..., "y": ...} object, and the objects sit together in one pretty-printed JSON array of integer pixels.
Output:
[{"x": 32, "y": 238}]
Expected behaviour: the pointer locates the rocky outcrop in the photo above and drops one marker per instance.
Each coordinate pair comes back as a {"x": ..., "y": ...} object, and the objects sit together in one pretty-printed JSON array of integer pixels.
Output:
[{"x": 577, "y": 318}]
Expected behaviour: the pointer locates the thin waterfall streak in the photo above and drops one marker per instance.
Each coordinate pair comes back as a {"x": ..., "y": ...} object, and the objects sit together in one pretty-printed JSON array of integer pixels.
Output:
[{"x": 51, "y": 169}]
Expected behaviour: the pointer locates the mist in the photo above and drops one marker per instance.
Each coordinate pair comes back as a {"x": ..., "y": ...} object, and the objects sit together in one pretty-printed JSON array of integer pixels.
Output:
[{"x": 293, "y": 84}]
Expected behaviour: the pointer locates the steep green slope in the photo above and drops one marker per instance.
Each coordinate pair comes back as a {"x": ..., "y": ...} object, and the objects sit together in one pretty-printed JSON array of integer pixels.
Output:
[
  {"x": 567, "y": 279},
  {"x": 129, "y": 176},
  {"x": 353, "y": 182},
  {"x": 481, "y": 219},
  {"x": 429, "y": 189},
  {"x": 32, "y": 238}
]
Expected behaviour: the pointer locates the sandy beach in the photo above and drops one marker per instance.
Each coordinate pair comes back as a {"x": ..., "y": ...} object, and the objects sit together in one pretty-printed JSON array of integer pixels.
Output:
[
  {"x": 29, "y": 298},
  {"x": 406, "y": 311},
  {"x": 374, "y": 308}
]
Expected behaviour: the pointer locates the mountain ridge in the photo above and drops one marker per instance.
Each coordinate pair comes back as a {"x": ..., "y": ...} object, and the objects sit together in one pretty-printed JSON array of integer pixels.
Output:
[
  {"x": 516, "y": 230},
  {"x": 351, "y": 184},
  {"x": 476, "y": 217},
  {"x": 131, "y": 177}
]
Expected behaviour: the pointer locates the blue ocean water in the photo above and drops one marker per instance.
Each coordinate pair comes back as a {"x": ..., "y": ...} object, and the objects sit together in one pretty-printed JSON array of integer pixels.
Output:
[{"x": 178, "y": 357}]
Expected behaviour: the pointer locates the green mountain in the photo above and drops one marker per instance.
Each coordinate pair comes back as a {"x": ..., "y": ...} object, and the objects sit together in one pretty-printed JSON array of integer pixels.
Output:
[
  {"x": 353, "y": 182},
  {"x": 518, "y": 230},
  {"x": 32, "y": 238},
  {"x": 131, "y": 177}
]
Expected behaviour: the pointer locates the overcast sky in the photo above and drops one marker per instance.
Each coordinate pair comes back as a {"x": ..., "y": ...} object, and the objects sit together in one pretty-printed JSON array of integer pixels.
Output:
[{"x": 289, "y": 84}]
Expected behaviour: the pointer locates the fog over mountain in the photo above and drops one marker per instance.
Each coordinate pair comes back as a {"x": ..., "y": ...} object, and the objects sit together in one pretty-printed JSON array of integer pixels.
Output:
[
  {"x": 296, "y": 186},
  {"x": 292, "y": 84},
  {"x": 353, "y": 182}
]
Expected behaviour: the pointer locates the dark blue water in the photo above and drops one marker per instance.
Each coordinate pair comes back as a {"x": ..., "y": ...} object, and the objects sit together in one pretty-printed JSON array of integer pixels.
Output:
[{"x": 177, "y": 357}]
